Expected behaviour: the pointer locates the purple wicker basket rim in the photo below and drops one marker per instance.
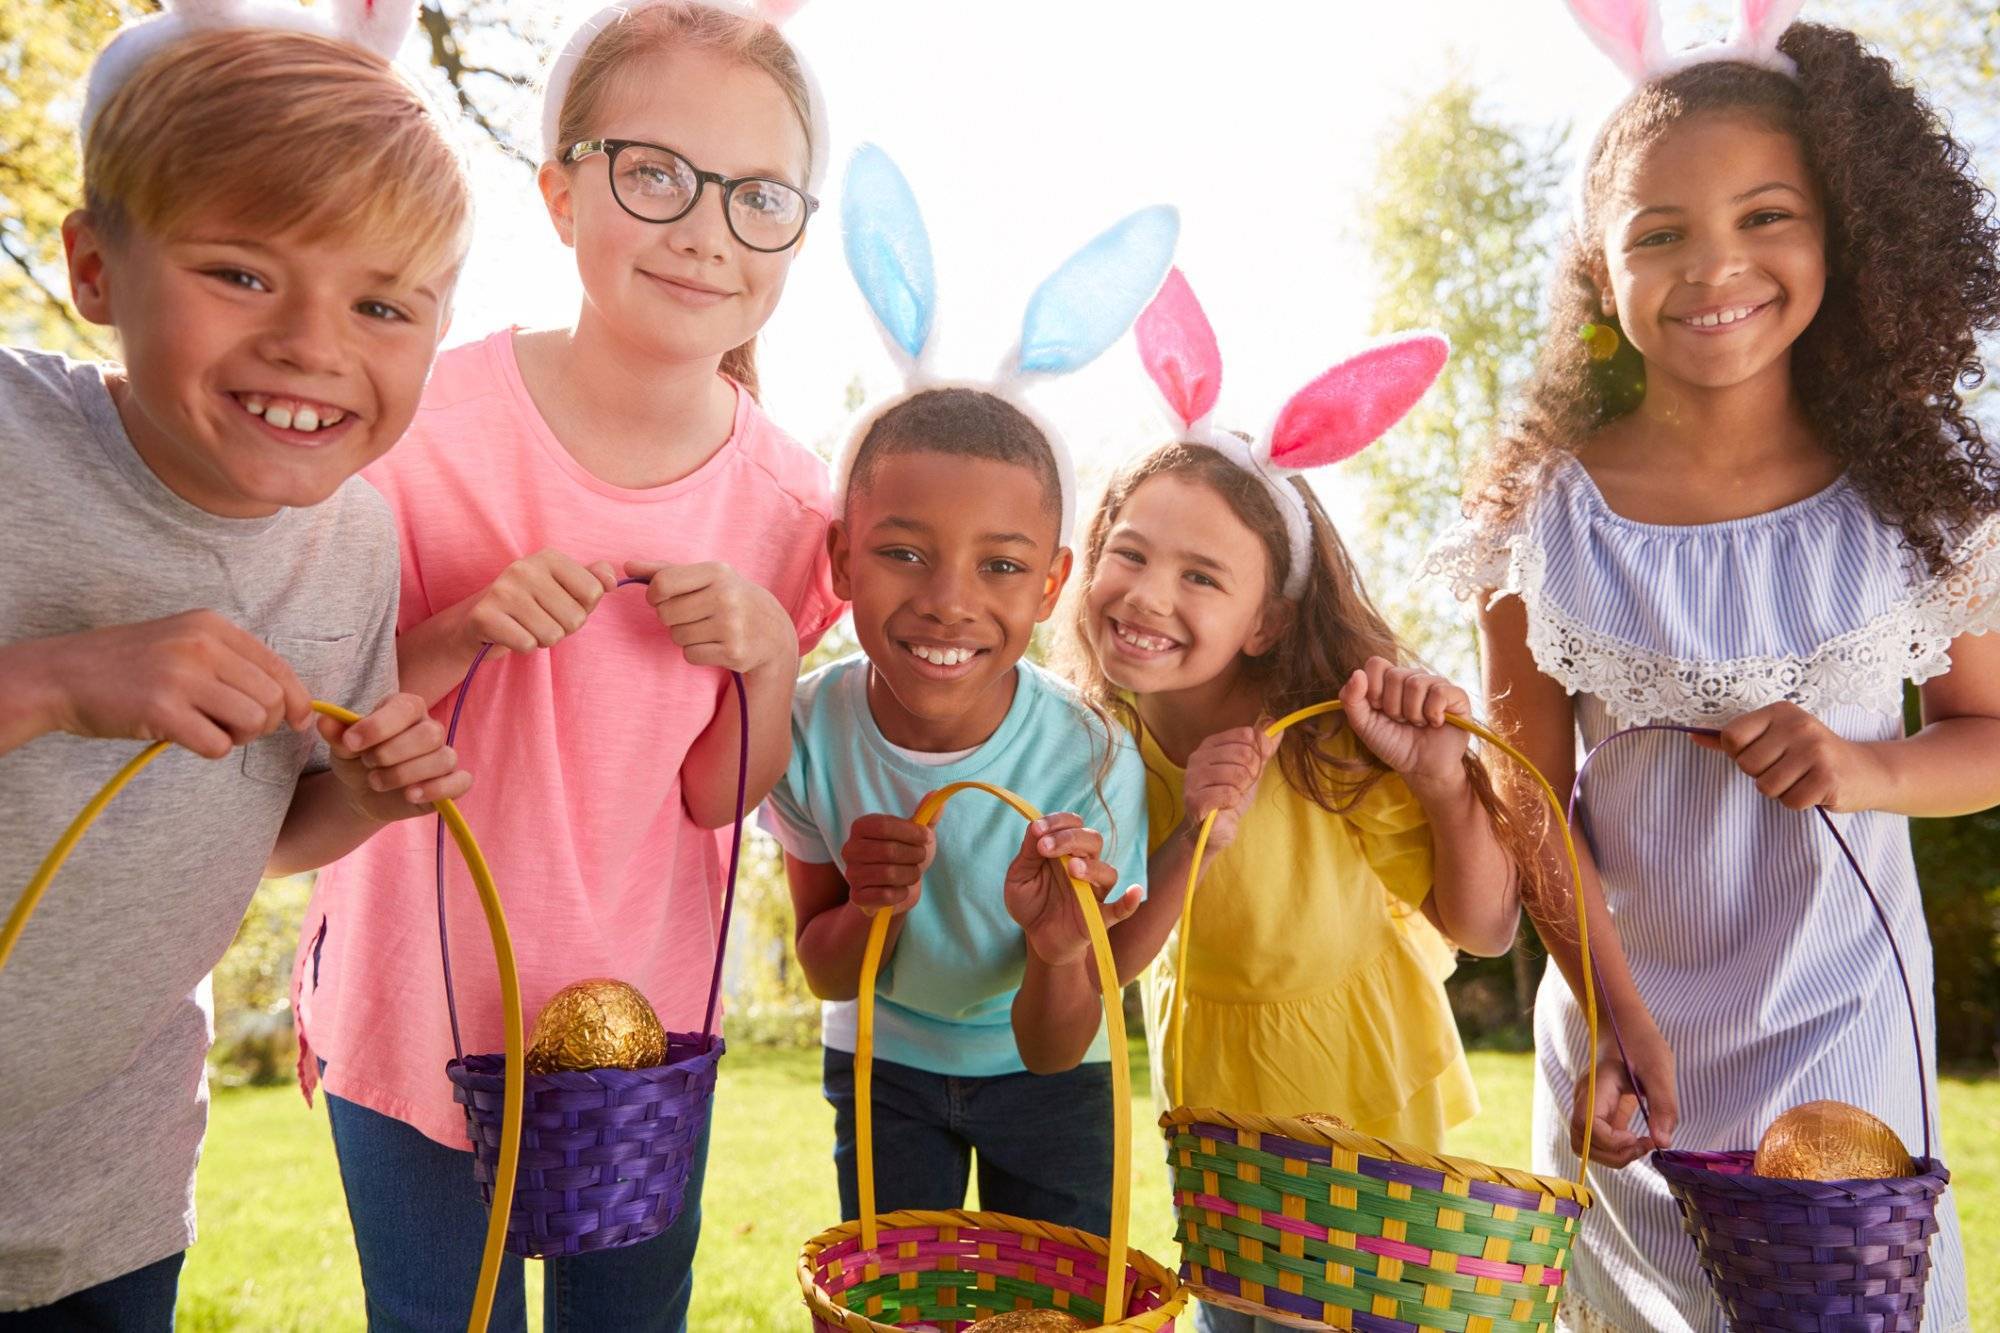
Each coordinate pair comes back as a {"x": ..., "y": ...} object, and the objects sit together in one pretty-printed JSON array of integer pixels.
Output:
[
  {"x": 487, "y": 1073},
  {"x": 1728, "y": 1173}
]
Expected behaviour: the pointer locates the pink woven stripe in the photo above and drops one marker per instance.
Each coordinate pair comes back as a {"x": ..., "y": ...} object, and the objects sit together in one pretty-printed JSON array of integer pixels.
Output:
[
  {"x": 1297, "y": 1226},
  {"x": 1494, "y": 1268},
  {"x": 1393, "y": 1249}
]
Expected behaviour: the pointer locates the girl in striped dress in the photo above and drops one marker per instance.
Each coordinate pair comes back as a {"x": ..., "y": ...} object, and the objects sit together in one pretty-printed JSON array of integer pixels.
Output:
[{"x": 1748, "y": 499}]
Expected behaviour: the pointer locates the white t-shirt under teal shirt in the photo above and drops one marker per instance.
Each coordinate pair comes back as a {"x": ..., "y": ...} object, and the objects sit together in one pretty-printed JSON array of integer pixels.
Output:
[{"x": 945, "y": 998}]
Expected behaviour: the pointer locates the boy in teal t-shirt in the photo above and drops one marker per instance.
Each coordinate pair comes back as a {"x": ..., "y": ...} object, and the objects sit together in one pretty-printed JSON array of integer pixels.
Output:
[{"x": 950, "y": 549}]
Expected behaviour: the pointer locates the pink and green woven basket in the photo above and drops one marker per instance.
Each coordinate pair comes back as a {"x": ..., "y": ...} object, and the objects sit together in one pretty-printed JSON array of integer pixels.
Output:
[
  {"x": 1320, "y": 1227},
  {"x": 950, "y": 1269}
]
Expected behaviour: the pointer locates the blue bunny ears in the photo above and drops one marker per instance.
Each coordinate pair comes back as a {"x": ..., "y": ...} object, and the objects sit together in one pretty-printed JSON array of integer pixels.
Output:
[{"x": 1077, "y": 313}]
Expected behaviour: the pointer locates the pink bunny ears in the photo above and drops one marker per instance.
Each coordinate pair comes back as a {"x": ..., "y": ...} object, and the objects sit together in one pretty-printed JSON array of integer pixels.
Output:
[
  {"x": 1629, "y": 32},
  {"x": 577, "y": 39},
  {"x": 1342, "y": 412},
  {"x": 374, "y": 25}
]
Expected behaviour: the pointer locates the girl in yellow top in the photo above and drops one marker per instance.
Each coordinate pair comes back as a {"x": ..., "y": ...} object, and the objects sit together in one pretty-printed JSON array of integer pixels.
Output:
[{"x": 1216, "y": 594}]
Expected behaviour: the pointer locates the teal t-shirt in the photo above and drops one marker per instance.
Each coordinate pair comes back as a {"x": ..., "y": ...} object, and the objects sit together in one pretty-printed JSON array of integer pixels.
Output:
[{"x": 944, "y": 1000}]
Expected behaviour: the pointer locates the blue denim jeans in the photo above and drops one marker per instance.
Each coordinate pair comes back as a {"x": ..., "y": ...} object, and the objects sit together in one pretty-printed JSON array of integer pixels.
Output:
[
  {"x": 420, "y": 1229},
  {"x": 141, "y": 1301},
  {"x": 1044, "y": 1141}
]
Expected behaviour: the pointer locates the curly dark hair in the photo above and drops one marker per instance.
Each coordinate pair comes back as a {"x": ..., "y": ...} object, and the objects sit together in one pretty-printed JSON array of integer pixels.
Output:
[{"x": 1912, "y": 274}]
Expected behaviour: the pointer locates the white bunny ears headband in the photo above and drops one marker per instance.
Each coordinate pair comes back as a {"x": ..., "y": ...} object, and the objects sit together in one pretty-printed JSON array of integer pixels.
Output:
[
  {"x": 1342, "y": 412},
  {"x": 373, "y": 25},
  {"x": 1072, "y": 318},
  {"x": 577, "y": 40},
  {"x": 1629, "y": 32}
]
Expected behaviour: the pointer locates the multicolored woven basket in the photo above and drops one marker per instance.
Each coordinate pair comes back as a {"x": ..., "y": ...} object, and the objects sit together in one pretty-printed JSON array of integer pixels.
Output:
[
  {"x": 507, "y": 1097},
  {"x": 950, "y": 1269},
  {"x": 1807, "y": 1256},
  {"x": 1321, "y": 1227},
  {"x": 605, "y": 1154}
]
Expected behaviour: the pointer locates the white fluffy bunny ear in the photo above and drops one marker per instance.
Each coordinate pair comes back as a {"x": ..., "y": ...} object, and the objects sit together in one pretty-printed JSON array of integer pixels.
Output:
[
  {"x": 376, "y": 25},
  {"x": 1084, "y": 306},
  {"x": 889, "y": 254},
  {"x": 1760, "y": 23},
  {"x": 1626, "y": 30},
  {"x": 777, "y": 12}
]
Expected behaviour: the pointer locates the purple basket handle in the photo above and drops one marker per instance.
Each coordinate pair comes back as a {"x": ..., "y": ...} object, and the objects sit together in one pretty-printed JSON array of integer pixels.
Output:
[
  {"x": 729, "y": 886},
  {"x": 1826, "y": 818}
]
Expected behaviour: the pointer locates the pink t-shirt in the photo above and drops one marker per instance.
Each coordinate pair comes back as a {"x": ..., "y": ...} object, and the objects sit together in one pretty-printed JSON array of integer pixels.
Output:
[{"x": 576, "y": 752}]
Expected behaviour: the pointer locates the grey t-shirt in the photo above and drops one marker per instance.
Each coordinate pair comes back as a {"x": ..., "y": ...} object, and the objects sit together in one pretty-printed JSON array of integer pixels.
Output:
[{"x": 104, "y": 1013}]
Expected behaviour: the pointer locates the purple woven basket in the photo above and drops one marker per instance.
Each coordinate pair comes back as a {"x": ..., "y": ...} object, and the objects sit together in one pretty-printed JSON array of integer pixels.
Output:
[
  {"x": 1806, "y": 1256},
  {"x": 605, "y": 1153},
  {"x": 1809, "y": 1256}
]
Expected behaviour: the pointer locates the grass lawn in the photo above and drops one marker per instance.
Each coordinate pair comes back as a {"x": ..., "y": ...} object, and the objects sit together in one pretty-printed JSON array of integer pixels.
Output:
[{"x": 276, "y": 1253}]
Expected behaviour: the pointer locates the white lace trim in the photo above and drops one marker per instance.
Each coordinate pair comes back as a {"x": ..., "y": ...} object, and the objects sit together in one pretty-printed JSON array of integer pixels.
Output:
[{"x": 1909, "y": 641}]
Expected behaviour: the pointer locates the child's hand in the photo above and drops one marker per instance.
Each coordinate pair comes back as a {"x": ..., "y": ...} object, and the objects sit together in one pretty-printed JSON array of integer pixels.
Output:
[
  {"x": 719, "y": 618},
  {"x": 1039, "y": 896},
  {"x": 1400, "y": 715},
  {"x": 194, "y": 679},
  {"x": 1222, "y": 776},
  {"x": 1612, "y": 1141},
  {"x": 884, "y": 861},
  {"x": 537, "y": 602},
  {"x": 1798, "y": 760},
  {"x": 394, "y": 762}
]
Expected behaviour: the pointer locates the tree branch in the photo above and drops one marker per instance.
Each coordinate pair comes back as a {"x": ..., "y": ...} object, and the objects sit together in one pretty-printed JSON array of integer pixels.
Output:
[
  {"x": 445, "y": 54},
  {"x": 50, "y": 298}
]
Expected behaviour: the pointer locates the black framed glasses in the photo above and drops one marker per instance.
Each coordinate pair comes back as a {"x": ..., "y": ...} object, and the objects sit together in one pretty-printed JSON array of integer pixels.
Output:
[{"x": 656, "y": 184}]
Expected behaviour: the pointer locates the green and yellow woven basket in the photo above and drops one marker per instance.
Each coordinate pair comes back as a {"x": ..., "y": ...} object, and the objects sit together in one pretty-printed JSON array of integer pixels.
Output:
[{"x": 1320, "y": 1227}]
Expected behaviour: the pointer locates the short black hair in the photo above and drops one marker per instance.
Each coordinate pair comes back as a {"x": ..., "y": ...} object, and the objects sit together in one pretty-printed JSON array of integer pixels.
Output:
[{"x": 961, "y": 423}]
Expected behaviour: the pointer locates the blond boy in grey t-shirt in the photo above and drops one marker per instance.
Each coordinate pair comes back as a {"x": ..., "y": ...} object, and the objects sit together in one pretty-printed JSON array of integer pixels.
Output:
[{"x": 274, "y": 219}]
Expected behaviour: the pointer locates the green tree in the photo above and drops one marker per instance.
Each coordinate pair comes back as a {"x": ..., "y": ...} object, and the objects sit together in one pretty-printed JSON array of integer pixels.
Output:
[
  {"x": 1462, "y": 221},
  {"x": 45, "y": 51},
  {"x": 1460, "y": 226}
]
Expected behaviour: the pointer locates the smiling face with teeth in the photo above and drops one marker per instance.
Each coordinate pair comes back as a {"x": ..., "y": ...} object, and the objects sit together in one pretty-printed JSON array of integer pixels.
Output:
[
  {"x": 1715, "y": 252},
  {"x": 950, "y": 561},
  {"x": 1182, "y": 595},
  {"x": 259, "y": 373}
]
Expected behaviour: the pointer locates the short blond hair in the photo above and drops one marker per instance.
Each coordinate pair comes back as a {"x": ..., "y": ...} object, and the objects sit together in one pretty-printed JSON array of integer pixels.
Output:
[{"x": 277, "y": 132}]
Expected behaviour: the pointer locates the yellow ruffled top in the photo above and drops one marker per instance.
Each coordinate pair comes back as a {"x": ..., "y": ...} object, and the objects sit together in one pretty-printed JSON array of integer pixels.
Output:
[{"x": 1315, "y": 982}]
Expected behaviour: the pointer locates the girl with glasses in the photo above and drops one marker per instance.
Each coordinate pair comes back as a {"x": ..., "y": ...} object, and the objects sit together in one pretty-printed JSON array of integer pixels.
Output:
[{"x": 681, "y": 142}]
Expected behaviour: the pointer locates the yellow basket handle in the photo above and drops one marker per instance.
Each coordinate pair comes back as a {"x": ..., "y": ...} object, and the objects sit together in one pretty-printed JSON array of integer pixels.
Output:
[
  {"x": 1178, "y": 1017},
  {"x": 503, "y": 952},
  {"x": 1121, "y": 1073}
]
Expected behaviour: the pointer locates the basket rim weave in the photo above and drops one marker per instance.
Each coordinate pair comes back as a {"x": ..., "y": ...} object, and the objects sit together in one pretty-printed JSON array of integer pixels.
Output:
[
  {"x": 1139, "y": 1264},
  {"x": 1367, "y": 1145},
  {"x": 1702, "y": 1170}
]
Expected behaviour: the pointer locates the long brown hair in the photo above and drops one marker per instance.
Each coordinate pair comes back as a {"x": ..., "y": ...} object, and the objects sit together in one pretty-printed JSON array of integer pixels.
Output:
[
  {"x": 1911, "y": 275},
  {"x": 1333, "y": 630}
]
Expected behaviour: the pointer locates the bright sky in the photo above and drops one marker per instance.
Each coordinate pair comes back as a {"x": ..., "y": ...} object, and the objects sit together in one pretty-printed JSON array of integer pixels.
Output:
[{"x": 1025, "y": 128}]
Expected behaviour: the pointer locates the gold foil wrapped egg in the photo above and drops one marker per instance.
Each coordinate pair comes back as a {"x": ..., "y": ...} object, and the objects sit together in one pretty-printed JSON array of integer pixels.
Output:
[
  {"x": 1029, "y": 1321},
  {"x": 596, "y": 1024},
  {"x": 1831, "y": 1141},
  {"x": 1323, "y": 1120}
]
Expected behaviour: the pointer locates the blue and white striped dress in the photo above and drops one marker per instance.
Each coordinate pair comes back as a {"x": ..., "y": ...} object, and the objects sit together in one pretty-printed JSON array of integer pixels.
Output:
[{"x": 1748, "y": 936}]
